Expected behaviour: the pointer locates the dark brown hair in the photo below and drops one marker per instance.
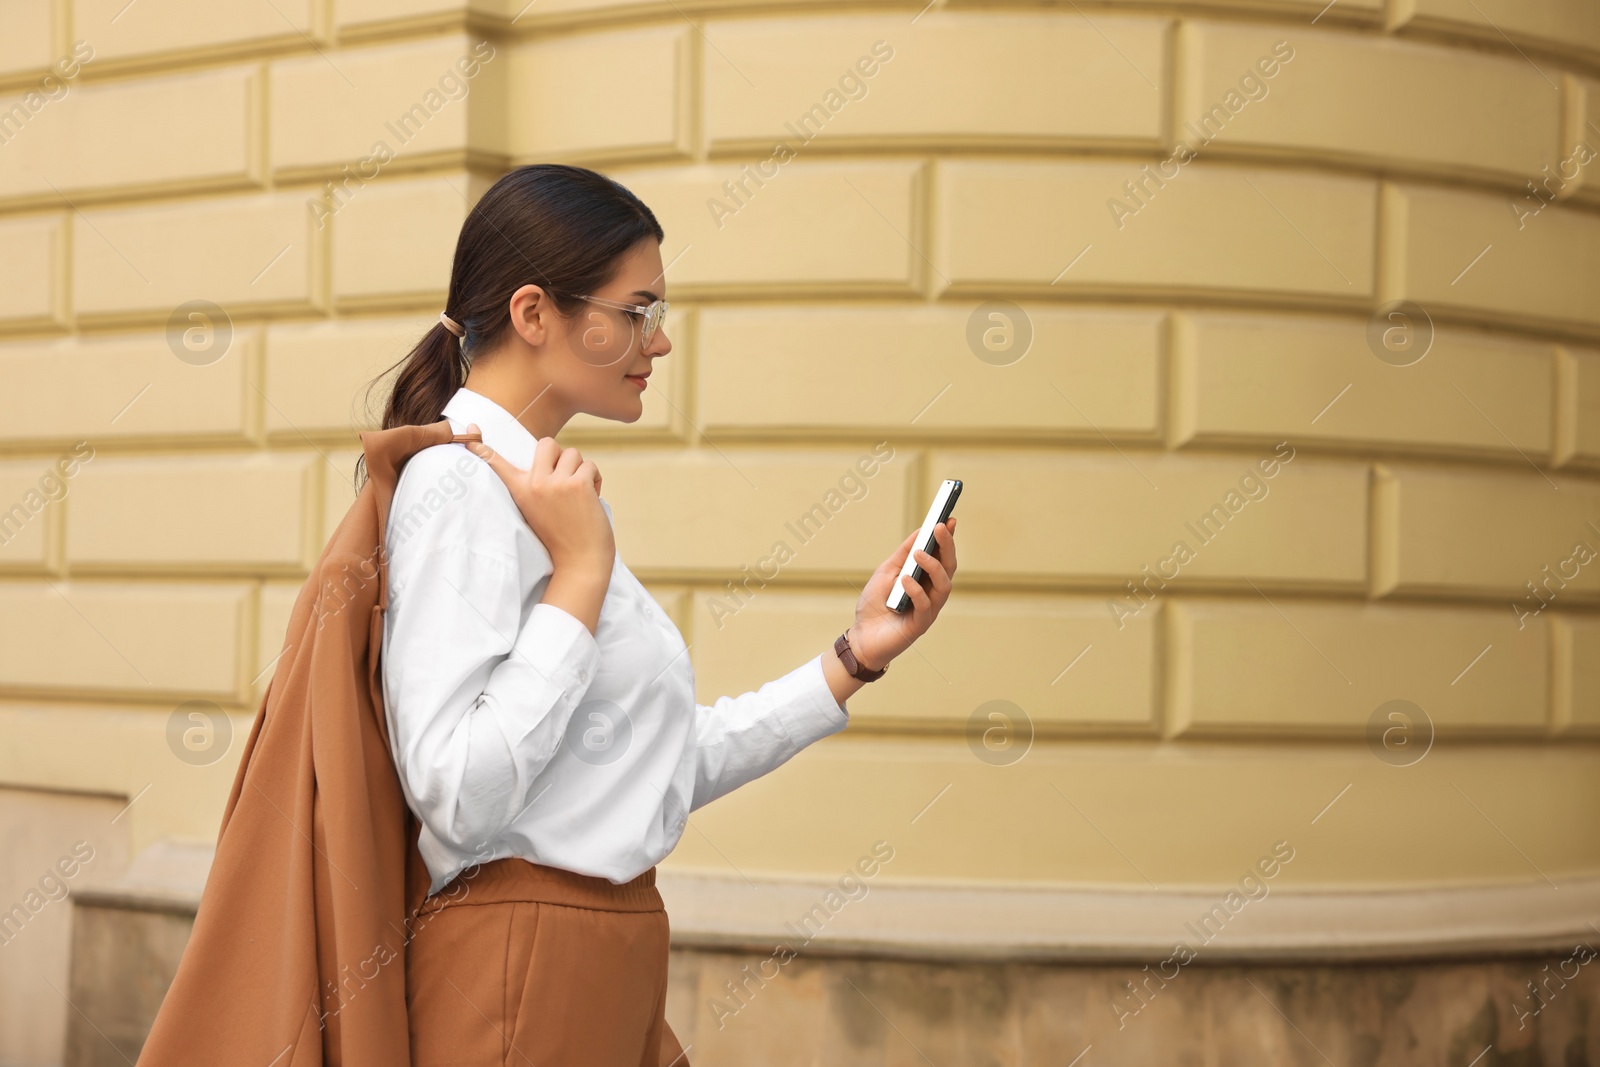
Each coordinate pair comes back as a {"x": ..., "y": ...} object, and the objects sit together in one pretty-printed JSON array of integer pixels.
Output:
[{"x": 559, "y": 227}]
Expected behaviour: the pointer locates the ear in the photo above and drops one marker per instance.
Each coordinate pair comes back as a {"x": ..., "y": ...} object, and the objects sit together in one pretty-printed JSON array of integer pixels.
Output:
[{"x": 532, "y": 314}]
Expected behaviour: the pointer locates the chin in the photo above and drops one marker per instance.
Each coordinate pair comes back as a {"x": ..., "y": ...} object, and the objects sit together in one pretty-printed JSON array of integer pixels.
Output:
[
  {"x": 623, "y": 412},
  {"x": 618, "y": 409}
]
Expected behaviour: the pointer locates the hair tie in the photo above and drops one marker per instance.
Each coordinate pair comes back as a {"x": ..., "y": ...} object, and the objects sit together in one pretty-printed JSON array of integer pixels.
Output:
[{"x": 452, "y": 325}]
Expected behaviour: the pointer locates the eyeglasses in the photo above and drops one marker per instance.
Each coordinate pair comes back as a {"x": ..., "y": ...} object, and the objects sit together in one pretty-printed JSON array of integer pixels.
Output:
[{"x": 652, "y": 314}]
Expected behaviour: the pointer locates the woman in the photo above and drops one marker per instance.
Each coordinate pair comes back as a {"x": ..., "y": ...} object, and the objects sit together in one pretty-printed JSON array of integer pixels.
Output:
[{"x": 541, "y": 708}]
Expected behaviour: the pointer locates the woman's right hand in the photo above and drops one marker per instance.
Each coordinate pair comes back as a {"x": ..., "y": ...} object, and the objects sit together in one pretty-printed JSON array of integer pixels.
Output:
[{"x": 559, "y": 497}]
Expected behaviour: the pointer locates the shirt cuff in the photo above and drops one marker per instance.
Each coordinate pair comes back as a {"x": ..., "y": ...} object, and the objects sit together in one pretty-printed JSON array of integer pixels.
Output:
[{"x": 810, "y": 713}]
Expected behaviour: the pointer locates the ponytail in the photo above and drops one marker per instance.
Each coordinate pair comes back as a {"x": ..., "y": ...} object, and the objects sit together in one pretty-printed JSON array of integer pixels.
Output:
[{"x": 429, "y": 376}]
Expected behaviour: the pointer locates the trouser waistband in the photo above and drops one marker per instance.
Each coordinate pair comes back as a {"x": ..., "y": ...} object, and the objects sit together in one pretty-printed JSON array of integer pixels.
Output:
[{"x": 515, "y": 879}]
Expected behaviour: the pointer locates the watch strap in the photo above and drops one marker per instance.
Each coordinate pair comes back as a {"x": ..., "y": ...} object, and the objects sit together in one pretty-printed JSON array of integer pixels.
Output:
[{"x": 852, "y": 666}]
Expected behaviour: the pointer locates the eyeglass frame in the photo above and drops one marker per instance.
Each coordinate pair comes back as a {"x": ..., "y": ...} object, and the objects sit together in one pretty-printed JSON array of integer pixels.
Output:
[{"x": 647, "y": 332}]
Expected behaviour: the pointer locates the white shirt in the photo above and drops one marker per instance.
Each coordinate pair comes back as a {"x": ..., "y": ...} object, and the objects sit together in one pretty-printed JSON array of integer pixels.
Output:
[{"x": 517, "y": 732}]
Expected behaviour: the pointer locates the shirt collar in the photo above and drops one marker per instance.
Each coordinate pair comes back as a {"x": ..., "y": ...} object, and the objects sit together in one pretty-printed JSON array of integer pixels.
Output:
[{"x": 501, "y": 430}]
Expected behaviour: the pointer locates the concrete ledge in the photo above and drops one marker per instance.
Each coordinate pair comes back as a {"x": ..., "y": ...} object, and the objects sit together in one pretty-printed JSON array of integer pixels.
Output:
[
  {"x": 937, "y": 921},
  {"x": 953, "y": 922},
  {"x": 166, "y": 877}
]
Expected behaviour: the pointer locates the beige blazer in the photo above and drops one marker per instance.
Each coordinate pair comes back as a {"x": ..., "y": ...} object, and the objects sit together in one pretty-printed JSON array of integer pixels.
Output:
[{"x": 298, "y": 951}]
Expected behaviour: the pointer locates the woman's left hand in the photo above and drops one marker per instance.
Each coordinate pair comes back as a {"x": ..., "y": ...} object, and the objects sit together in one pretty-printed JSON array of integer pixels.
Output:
[{"x": 880, "y": 634}]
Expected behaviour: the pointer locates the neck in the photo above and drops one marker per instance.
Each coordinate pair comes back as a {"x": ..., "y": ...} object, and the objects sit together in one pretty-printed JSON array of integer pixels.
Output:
[{"x": 516, "y": 385}]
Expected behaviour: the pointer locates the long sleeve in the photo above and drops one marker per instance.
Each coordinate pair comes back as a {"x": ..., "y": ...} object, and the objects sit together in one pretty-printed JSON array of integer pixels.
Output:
[
  {"x": 739, "y": 739},
  {"x": 479, "y": 686}
]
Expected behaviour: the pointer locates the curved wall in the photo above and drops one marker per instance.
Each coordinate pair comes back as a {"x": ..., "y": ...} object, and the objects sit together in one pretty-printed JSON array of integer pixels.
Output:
[{"x": 1126, "y": 269}]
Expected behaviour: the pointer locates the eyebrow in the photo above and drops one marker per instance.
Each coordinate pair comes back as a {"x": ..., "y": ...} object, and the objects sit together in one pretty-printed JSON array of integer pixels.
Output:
[{"x": 647, "y": 294}]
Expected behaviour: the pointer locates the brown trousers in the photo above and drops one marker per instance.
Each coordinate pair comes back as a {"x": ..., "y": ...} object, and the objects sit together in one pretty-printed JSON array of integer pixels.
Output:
[{"x": 519, "y": 965}]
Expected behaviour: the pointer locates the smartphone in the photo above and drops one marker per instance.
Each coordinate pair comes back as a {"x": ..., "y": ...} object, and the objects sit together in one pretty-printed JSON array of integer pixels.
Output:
[{"x": 944, "y": 502}]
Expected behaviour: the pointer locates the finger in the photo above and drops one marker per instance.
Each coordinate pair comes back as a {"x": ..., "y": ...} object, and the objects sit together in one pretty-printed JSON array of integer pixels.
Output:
[
  {"x": 497, "y": 463},
  {"x": 889, "y": 568},
  {"x": 545, "y": 453},
  {"x": 588, "y": 471},
  {"x": 883, "y": 578},
  {"x": 503, "y": 467},
  {"x": 933, "y": 567},
  {"x": 898, "y": 559},
  {"x": 571, "y": 459},
  {"x": 919, "y": 596},
  {"x": 944, "y": 534}
]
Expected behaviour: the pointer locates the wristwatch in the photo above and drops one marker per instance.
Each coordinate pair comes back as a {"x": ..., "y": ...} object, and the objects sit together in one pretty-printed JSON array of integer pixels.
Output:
[{"x": 852, "y": 666}]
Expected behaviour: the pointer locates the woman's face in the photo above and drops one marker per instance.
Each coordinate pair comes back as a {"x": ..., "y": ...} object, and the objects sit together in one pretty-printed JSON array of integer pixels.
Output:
[{"x": 606, "y": 374}]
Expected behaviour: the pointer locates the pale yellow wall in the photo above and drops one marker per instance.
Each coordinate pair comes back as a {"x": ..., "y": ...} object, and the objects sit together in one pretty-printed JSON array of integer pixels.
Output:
[{"x": 829, "y": 313}]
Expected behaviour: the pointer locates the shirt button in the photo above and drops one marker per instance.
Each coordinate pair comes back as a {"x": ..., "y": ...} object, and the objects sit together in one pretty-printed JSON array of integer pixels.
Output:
[
  {"x": 649, "y": 612},
  {"x": 583, "y": 676}
]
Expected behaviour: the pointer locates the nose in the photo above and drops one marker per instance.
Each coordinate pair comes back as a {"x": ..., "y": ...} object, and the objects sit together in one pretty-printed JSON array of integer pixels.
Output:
[{"x": 660, "y": 344}]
